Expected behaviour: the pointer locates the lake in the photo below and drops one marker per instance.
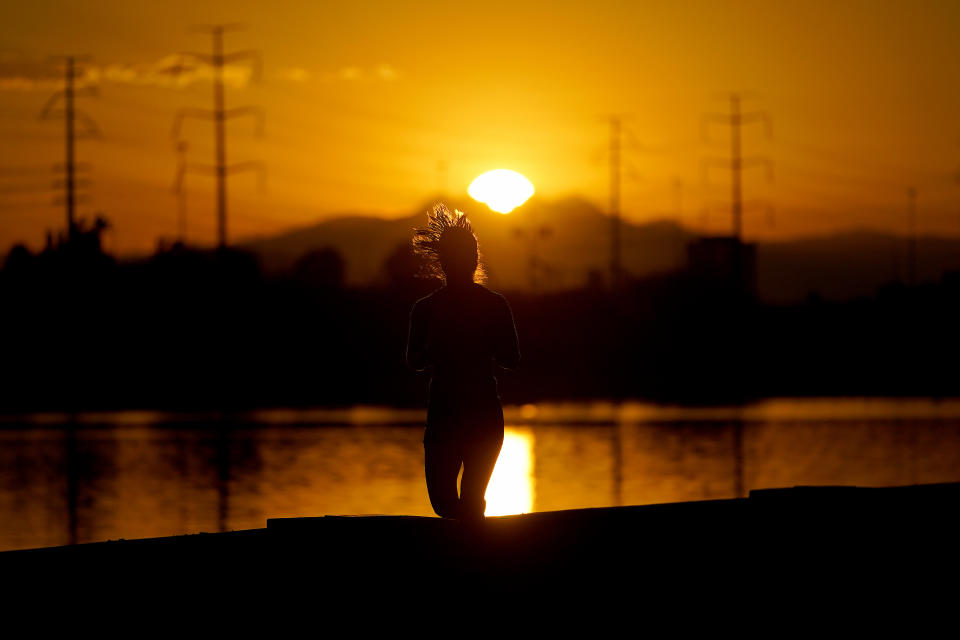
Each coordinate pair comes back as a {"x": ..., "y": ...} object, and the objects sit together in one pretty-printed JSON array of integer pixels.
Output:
[{"x": 98, "y": 476}]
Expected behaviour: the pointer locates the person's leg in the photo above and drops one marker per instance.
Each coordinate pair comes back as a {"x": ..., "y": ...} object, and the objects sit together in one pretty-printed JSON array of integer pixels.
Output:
[
  {"x": 442, "y": 465},
  {"x": 479, "y": 458}
]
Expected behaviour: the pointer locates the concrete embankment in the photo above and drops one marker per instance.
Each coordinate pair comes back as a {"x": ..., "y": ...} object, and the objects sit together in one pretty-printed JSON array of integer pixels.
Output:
[{"x": 837, "y": 539}]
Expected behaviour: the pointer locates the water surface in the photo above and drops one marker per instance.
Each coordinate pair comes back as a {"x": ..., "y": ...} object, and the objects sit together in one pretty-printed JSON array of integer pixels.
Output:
[{"x": 91, "y": 477}]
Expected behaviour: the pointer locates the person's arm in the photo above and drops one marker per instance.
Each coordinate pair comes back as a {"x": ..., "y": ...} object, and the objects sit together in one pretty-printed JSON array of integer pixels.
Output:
[
  {"x": 417, "y": 354},
  {"x": 506, "y": 348}
]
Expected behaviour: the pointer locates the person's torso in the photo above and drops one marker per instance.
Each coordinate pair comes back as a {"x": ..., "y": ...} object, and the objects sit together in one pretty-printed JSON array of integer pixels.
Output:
[{"x": 461, "y": 333}]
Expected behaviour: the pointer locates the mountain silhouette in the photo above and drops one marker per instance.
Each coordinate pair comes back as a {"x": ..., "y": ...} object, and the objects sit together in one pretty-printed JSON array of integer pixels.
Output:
[
  {"x": 572, "y": 239},
  {"x": 847, "y": 265}
]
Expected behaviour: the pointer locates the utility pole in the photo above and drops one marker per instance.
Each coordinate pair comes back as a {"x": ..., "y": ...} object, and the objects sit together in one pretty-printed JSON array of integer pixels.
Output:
[
  {"x": 912, "y": 239},
  {"x": 69, "y": 162},
  {"x": 677, "y": 185},
  {"x": 179, "y": 189},
  {"x": 735, "y": 120},
  {"x": 616, "y": 269},
  {"x": 677, "y": 188},
  {"x": 219, "y": 115},
  {"x": 736, "y": 167},
  {"x": 70, "y": 117},
  {"x": 533, "y": 234},
  {"x": 957, "y": 176}
]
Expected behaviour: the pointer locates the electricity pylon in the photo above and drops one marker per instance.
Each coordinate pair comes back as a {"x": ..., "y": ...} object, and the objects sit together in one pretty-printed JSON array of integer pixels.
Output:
[
  {"x": 616, "y": 267},
  {"x": 617, "y": 133},
  {"x": 219, "y": 115},
  {"x": 179, "y": 188},
  {"x": 735, "y": 120},
  {"x": 956, "y": 176},
  {"x": 71, "y": 116},
  {"x": 912, "y": 239}
]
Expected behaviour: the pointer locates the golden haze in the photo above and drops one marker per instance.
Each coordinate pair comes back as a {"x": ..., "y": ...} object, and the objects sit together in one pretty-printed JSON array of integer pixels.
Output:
[{"x": 375, "y": 107}]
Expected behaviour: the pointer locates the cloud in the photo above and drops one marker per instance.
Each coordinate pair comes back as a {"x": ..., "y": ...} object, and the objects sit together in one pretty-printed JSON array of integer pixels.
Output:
[
  {"x": 171, "y": 72},
  {"x": 349, "y": 73},
  {"x": 174, "y": 72},
  {"x": 296, "y": 75},
  {"x": 18, "y": 74},
  {"x": 386, "y": 72}
]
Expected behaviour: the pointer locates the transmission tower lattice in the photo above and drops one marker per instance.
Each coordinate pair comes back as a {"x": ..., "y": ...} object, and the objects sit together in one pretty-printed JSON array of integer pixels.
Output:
[
  {"x": 217, "y": 59},
  {"x": 71, "y": 116},
  {"x": 616, "y": 266},
  {"x": 735, "y": 120}
]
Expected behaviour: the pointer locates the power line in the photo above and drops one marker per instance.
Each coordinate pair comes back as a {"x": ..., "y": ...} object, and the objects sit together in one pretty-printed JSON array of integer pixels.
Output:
[
  {"x": 864, "y": 161},
  {"x": 735, "y": 120},
  {"x": 219, "y": 115}
]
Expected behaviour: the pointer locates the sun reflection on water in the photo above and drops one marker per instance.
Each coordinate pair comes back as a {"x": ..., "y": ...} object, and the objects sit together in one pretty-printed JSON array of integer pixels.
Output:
[{"x": 511, "y": 485}]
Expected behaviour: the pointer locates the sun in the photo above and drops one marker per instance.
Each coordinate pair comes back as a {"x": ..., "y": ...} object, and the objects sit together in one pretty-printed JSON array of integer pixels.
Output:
[
  {"x": 511, "y": 489},
  {"x": 501, "y": 189}
]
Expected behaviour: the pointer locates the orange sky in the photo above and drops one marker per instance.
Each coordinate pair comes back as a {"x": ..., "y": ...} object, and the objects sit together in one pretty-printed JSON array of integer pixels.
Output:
[{"x": 363, "y": 100}]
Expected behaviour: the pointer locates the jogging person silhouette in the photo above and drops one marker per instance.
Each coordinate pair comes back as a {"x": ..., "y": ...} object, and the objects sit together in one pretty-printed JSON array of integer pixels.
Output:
[{"x": 459, "y": 333}]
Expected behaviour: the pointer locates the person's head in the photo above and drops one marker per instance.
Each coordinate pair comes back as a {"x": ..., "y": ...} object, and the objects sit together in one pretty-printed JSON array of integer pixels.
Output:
[{"x": 449, "y": 247}]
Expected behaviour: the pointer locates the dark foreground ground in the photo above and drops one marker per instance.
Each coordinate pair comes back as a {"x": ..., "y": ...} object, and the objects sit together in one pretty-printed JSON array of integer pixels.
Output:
[{"x": 781, "y": 554}]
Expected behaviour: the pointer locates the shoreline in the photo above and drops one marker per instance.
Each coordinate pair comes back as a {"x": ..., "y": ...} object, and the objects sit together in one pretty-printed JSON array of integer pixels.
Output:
[{"x": 849, "y": 531}]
